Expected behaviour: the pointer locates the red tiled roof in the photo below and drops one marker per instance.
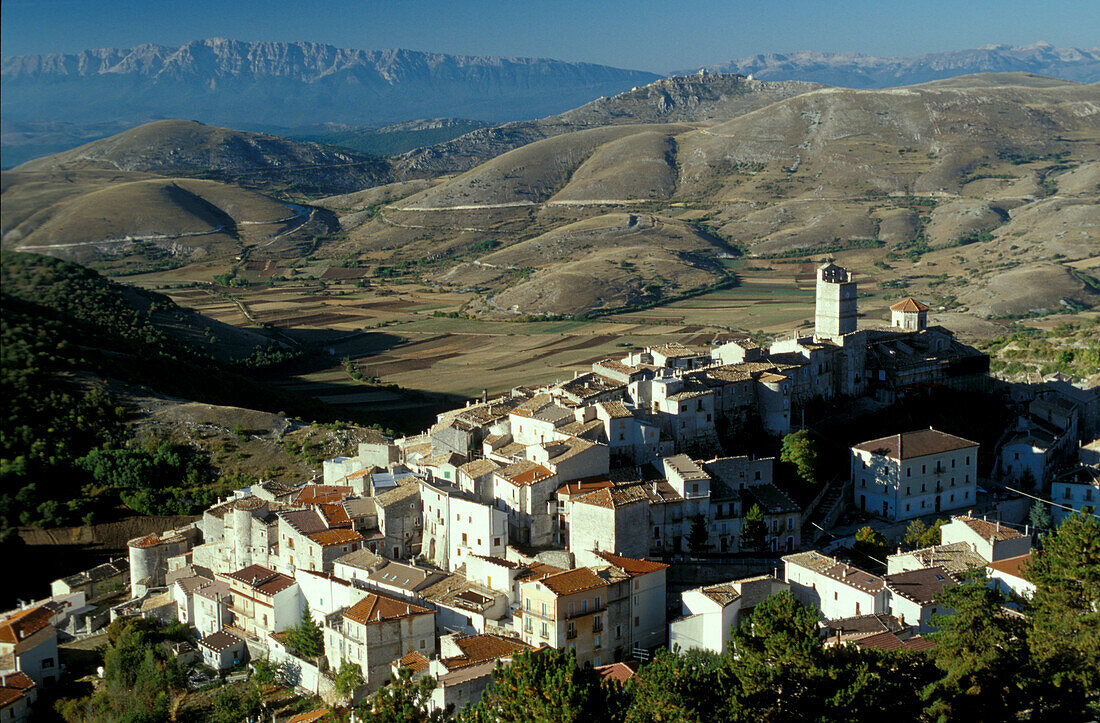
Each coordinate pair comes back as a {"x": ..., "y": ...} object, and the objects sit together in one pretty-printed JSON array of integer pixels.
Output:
[
  {"x": 890, "y": 641},
  {"x": 918, "y": 443},
  {"x": 909, "y": 304},
  {"x": 618, "y": 672},
  {"x": 328, "y": 538},
  {"x": 1015, "y": 566},
  {"x": 477, "y": 649},
  {"x": 414, "y": 660},
  {"x": 375, "y": 608},
  {"x": 335, "y": 515},
  {"x": 573, "y": 581},
  {"x": 24, "y": 624},
  {"x": 262, "y": 579},
  {"x": 317, "y": 494},
  {"x": 989, "y": 529},
  {"x": 311, "y": 717},
  {"x": 531, "y": 476},
  {"x": 632, "y": 566}
]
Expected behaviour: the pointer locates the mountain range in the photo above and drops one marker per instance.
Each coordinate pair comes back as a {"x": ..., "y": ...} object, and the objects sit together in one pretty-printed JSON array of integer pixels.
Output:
[
  {"x": 258, "y": 84},
  {"x": 856, "y": 70}
]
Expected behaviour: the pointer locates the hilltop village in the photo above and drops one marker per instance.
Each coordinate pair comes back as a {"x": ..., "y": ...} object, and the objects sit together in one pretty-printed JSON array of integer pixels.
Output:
[{"x": 599, "y": 515}]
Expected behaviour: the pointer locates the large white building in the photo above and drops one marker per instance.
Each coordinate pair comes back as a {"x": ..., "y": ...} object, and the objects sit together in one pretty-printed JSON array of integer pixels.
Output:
[
  {"x": 914, "y": 473},
  {"x": 836, "y": 588}
]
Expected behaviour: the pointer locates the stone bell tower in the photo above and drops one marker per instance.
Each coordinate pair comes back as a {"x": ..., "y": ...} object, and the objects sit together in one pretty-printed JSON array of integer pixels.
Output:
[{"x": 836, "y": 302}]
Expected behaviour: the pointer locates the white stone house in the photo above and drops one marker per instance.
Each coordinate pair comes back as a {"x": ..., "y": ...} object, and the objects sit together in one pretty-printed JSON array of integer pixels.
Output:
[
  {"x": 836, "y": 588},
  {"x": 989, "y": 539},
  {"x": 375, "y": 632},
  {"x": 711, "y": 612},
  {"x": 914, "y": 473},
  {"x": 611, "y": 519},
  {"x": 28, "y": 643},
  {"x": 1010, "y": 575},
  {"x": 912, "y": 596},
  {"x": 1078, "y": 490}
]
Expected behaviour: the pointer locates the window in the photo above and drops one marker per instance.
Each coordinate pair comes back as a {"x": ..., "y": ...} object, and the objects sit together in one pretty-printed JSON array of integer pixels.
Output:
[
  {"x": 923, "y": 469},
  {"x": 835, "y": 596},
  {"x": 596, "y": 641},
  {"x": 637, "y": 621},
  {"x": 908, "y": 472},
  {"x": 757, "y": 474},
  {"x": 544, "y": 608},
  {"x": 545, "y": 631},
  {"x": 47, "y": 662},
  {"x": 496, "y": 542},
  {"x": 570, "y": 630},
  {"x": 618, "y": 631},
  {"x": 857, "y": 608},
  {"x": 597, "y": 623},
  {"x": 597, "y": 602}
]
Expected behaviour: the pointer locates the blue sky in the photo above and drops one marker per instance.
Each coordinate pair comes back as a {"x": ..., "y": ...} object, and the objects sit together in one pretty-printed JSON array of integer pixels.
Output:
[{"x": 644, "y": 34}]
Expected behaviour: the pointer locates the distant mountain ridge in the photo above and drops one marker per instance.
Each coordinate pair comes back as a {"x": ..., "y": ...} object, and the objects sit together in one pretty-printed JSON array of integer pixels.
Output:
[
  {"x": 253, "y": 83},
  {"x": 856, "y": 70}
]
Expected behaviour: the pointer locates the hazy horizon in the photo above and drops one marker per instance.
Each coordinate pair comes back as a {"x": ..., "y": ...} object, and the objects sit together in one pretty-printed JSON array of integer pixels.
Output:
[{"x": 645, "y": 35}]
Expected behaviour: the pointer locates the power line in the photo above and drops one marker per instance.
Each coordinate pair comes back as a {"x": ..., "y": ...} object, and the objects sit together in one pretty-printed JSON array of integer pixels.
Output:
[{"x": 1040, "y": 499}]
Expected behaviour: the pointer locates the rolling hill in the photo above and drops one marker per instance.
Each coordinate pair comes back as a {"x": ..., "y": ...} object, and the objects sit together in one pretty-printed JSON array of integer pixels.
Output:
[
  {"x": 699, "y": 97},
  {"x": 969, "y": 165},
  {"x": 189, "y": 148}
]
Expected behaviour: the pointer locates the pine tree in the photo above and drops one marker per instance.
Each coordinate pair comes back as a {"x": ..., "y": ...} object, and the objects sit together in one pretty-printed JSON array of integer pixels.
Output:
[
  {"x": 1040, "y": 517},
  {"x": 402, "y": 700},
  {"x": 753, "y": 529},
  {"x": 982, "y": 652},
  {"x": 776, "y": 663},
  {"x": 306, "y": 638},
  {"x": 676, "y": 688},
  {"x": 914, "y": 533},
  {"x": 543, "y": 685},
  {"x": 1065, "y": 638}
]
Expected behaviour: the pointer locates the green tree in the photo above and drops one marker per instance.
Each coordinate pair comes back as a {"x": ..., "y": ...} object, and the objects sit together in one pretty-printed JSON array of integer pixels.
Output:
[
  {"x": 933, "y": 536},
  {"x": 983, "y": 655},
  {"x": 402, "y": 700},
  {"x": 799, "y": 449},
  {"x": 698, "y": 534},
  {"x": 1040, "y": 517},
  {"x": 233, "y": 706},
  {"x": 775, "y": 664},
  {"x": 306, "y": 638},
  {"x": 1065, "y": 612},
  {"x": 348, "y": 680},
  {"x": 542, "y": 685},
  {"x": 676, "y": 688},
  {"x": 914, "y": 533},
  {"x": 753, "y": 529},
  {"x": 872, "y": 543}
]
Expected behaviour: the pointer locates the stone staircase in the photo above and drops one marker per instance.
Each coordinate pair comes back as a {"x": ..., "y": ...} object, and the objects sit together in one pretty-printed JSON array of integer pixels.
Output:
[{"x": 825, "y": 512}]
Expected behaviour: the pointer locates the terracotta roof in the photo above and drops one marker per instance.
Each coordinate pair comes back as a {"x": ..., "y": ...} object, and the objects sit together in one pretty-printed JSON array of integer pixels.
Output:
[
  {"x": 618, "y": 672},
  {"x": 477, "y": 649},
  {"x": 262, "y": 579},
  {"x": 375, "y": 608},
  {"x": 537, "y": 571},
  {"x": 529, "y": 475},
  {"x": 328, "y": 538},
  {"x": 614, "y": 497},
  {"x": 219, "y": 641},
  {"x": 335, "y": 514},
  {"x": 414, "y": 660},
  {"x": 150, "y": 540},
  {"x": 573, "y": 581},
  {"x": 23, "y": 624},
  {"x": 918, "y": 443},
  {"x": 316, "y": 494},
  {"x": 989, "y": 529},
  {"x": 921, "y": 586},
  {"x": 584, "y": 486},
  {"x": 909, "y": 304},
  {"x": 1015, "y": 566},
  {"x": 479, "y": 467},
  {"x": 632, "y": 566},
  {"x": 14, "y": 686}
]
